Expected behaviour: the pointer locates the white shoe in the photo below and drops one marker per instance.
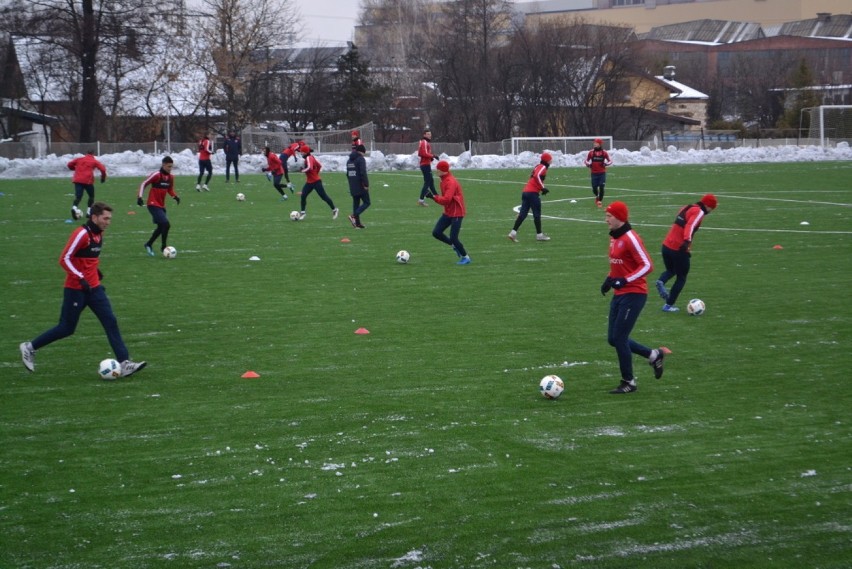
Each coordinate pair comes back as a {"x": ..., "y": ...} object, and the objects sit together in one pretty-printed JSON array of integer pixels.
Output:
[
  {"x": 290, "y": 186},
  {"x": 334, "y": 213},
  {"x": 302, "y": 216},
  {"x": 129, "y": 367},
  {"x": 283, "y": 198},
  {"x": 513, "y": 236},
  {"x": 197, "y": 187},
  {"x": 205, "y": 188},
  {"x": 75, "y": 212},
  {"x": 28, "y": 355},
  {"x": 542, "y": 237}
]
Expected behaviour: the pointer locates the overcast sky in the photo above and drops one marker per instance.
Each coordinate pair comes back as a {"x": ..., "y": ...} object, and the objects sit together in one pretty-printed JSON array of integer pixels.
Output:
[{"x": 330, "y": 22}]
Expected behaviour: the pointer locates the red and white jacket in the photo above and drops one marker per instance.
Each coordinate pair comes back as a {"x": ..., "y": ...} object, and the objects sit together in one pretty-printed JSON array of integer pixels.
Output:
[
  {"x": 312, "y": 169},
  {"x": 273, "y": 164},
  {"x": 424, "y": 151},
  {"x": 597, "y": 159},
  {"x": 451, "y": 197},
  {"x": 536, "y": 181},
  {"x": 84, "y": 169},
  {"x": 161, "y": 183},
  {"x": 629, "y": 260},
  {"x": 687, "y": 222},
  {"x": 79, "y": 258},
  {"x": 205, "y": 149}
]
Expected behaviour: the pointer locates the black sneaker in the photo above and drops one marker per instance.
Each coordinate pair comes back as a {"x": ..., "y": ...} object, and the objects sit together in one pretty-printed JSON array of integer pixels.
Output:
[
  {"x": 625, "y": 387},
  {"x": 657, "y": 364}
]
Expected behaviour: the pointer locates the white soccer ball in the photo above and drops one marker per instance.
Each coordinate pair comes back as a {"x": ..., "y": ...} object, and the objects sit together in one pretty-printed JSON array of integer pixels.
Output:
[
  {"x": 241, "y": 197},
  {"x": 551, "y": 386},
  {"x": 695, "y": 307},
  {"x": 169, "y": 252},
  {"x": 403, "y": 256},
  {"x": 294, "y": 215},
  {"x": 109, "y": 369}
]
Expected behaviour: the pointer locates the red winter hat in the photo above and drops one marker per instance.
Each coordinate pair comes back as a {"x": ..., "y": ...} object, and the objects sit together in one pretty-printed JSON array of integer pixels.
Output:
[
  {"x": 305, "y": 149},
  {"x": 546, "y": 157},
  {"x": 443, "y": 166},
  {"x": 709, "y": 200},
  {"x": 354, "y": 133},
  {"x": 618, "y": 210},
  {"x": 598, "y": 141}
]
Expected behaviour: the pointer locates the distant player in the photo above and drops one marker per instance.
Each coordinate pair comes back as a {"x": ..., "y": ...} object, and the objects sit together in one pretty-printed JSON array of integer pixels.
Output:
[
  {"x": 205, "y": 151},
  {"x": 424, "y": 152},
  {"x": 274, "y": 169},
  {"x": 162, "y": 182},
  {"x": 233, "y": 148},
  {"x": 677, "y": 248},
  {"x": 313, "y": 182},
  {"x": 287, "y": 153},
  {"x": 356, "y": 140},
  {"x": 359, "y": 184},
  {"x": 531, "y": 199},
  {"x": 597, "y": 160},
  {"x": 84, "y": 180}
]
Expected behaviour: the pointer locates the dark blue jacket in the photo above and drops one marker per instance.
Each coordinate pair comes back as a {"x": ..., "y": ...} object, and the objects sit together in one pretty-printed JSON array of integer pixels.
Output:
[
  {"x": 233, "y": 147},
  {"x": 356, "y": 174}
]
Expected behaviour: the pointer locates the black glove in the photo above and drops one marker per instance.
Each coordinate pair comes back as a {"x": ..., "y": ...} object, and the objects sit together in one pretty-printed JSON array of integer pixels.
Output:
[
  {"x": 617, "y": 283},
  {"x": 100, "y": 275},
  {"x": 545, "y": 191},
  {"x": 684, "y": 247},
  {"x": 434, "y": 158},
  {"x": 84, "y": 284},
  {"x": 103, "y": 178},
  {"x": 430, "y": 195},
  {"x": 139, "y": 201},
  {"x": 607, "y": 284},
  {"x": 264, "y": 169},
  {"x": 177, "y": 199}
]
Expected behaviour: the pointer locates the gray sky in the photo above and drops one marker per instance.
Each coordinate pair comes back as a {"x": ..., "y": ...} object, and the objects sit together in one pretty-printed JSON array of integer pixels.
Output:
[{"x": 330, "y": 22}]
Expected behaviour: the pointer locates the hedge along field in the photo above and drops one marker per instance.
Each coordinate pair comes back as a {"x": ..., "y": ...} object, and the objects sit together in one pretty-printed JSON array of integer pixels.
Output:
[{"x": 425, "y": 443}]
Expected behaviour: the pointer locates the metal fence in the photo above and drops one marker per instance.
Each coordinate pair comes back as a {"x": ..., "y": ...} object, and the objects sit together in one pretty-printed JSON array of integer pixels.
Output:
[{"x": 12, "y": 150}]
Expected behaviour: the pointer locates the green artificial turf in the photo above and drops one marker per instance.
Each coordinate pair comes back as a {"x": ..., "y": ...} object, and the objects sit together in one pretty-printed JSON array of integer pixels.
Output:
[{"x": 426, "y": 443}]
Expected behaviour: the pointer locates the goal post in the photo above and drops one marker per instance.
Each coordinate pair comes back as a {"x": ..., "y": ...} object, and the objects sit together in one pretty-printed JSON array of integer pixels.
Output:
[
  {"x": 827, "y": 124},
  {"x": 565, "y": 144},
  {"x": 255, "y": 138}
]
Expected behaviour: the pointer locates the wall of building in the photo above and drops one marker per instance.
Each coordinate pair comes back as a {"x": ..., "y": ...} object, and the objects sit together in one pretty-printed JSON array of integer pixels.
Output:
[{"x": 655, "y": 13}]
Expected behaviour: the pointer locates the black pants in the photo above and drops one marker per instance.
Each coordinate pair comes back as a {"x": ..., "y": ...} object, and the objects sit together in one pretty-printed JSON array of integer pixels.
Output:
[{"x": 677, "y": 265}]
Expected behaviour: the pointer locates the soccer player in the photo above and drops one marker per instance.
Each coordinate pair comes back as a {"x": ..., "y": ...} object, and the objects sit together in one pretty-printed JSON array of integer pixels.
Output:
[
  {"x": 84, "y": 180},
  {"x": 356, "y": 140},
  {"x": 286, "y": 154},
  {"x": 233, "y": 148},
  {"x": 452, "y": 198},
  {"x": 80, "y": 259},
  {"x": 205, "y": 151},
  {"x": 677, "y": 248},
  {"x": 275, "y": 169},
  {"x": 629, "y": 263},
  {"x": 359, "y": 184},
  {"x": 313, "y": 182},
  {"x": 531, "y": 199},
  {"x": 597, "y": 160},
  {"x": 162, "y": 182},
  {"x": 424, "y": 152}
]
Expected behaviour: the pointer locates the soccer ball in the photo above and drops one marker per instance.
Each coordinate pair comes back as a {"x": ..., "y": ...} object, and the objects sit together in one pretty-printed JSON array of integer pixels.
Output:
[
  {"x": 551, "y": 386},
  {"x": 109, "y": 369},
  {"x": 403, "y": 256},
  {"x": 695, "y": 307},
  {"x": 169, "y": 252},
  {"x": 294, "y": 215},
  {"x": 241, "y": 197}
]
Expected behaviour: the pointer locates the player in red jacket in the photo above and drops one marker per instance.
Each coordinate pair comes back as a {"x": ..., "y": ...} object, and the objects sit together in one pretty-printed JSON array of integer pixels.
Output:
[
  {"x": 313, "y": 182},
  {"x": 275, "y": 169},
  {"x": 629, "y": 263},
  {"x": 452, "y": 198},
  {"x": 424, "y": 152},
  {"x": 287, "y": 153},
  {"x": 162, "y": 182},
  {"x": 205, "y": 164},
  {"x": 597, "y": 160},
  {"x": 80, "y": 260},
  {"x": 84, "y": 180},
  {"x": 677, "y": 248},
  {"x": 531, "y": 199}
]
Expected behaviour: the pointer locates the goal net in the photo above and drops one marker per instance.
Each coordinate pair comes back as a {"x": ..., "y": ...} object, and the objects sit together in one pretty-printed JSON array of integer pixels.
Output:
[
  {"x": 826, "y": 125},
  {"x": 564, "y": 144},
  {"x": 255, "y": 138}
]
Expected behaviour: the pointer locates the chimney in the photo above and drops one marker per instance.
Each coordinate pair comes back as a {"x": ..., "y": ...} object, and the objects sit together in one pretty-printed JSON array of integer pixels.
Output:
[
  {"x": 669, "y": 72},
  {"x": 823, "y": 17}
]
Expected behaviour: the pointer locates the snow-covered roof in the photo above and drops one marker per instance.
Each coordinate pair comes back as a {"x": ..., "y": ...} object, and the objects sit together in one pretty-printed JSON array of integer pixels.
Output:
[{"x": 686, "y": 92}]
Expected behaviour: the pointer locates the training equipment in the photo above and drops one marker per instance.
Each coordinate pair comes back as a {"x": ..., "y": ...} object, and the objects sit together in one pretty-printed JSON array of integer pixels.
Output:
[
  {"x": 294, "y": 215},
  {"x": 241, "y": 197},
  {"x": 551, "y": 386},
  {"x": 169, "y": 252},
  {"x": 826, "y": 125},
  {"x": 320, "y": 141},
  {"x": 403, "y": 256},
  {"x": 566, "y": 144},
  {"x": 109, "y": 369},
  {"x": 695, "y": 307}
]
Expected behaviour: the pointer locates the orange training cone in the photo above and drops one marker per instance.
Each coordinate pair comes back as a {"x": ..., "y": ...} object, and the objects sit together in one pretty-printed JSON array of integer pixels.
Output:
[
  {"x": 250, "y": 375},
  {"x": 362, "y": 331}
]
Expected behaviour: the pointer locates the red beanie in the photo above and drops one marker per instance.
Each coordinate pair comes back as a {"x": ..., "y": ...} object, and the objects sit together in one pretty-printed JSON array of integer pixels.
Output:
[
  {"x": 618, "y": 210},
  {"x": 709, "y": 200},
  {"x": 546, "y": 157},
  {"x": 443, "y": 166},
  {"x": 598, "y": 141}
]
